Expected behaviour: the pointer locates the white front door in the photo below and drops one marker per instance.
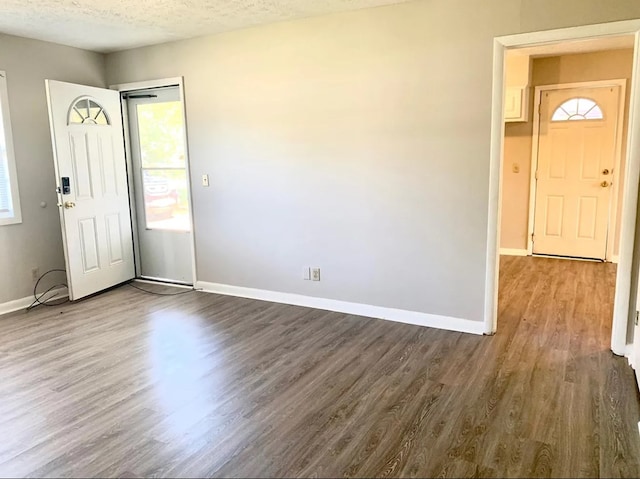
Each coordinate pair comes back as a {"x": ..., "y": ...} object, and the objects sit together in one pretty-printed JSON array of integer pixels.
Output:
[
  {"x": 88, "y": 145},
  {"x": 576, "y": 157}
]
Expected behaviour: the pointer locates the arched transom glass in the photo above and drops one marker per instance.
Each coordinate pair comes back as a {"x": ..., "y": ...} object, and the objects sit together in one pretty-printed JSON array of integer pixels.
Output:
[
  {"x": 578, "y": 109},
  {"x": 87, "y": 111}
]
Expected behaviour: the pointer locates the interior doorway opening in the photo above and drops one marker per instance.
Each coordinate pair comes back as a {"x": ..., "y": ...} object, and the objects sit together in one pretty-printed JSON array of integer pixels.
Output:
[
  {"x": 570, "y": 41},
  {"x": 565, "y": 132}
]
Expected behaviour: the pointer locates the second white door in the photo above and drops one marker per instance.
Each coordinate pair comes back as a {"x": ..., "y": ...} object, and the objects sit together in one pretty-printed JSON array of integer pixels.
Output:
[
  {"x": 161, "y": 187},
  {"x": 576, "y": 159}
]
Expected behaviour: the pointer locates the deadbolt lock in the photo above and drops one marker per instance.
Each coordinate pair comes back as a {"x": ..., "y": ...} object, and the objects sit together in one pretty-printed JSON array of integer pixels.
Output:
[{"x": 605, "y": 171}]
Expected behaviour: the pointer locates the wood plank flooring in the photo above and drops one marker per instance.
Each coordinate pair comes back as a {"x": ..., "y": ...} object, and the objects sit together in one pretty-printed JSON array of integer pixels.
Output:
[{"x": 128, "y": 384}]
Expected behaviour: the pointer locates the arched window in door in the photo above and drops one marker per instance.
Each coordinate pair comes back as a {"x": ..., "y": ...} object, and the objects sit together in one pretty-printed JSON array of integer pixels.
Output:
[
  {"x": 578, "y": 109},
  {"x": 87, "y": 111}
]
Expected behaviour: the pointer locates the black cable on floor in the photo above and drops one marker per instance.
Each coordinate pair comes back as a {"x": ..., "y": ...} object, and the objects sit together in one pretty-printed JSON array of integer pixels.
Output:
[
  {"x": 38, "y": 297},
  {"x": 39, "y": 301}
]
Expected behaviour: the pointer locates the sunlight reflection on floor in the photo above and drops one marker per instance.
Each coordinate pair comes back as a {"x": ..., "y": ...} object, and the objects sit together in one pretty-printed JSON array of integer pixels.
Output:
[{"x": 181, "y": 372}]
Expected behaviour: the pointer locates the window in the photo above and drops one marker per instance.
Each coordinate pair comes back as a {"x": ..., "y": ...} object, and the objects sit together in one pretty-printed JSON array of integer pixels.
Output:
[
  {"x": 163, "y": 165},
  {"x": 578, "y": 109},
  {"x": 87, "y": 111},
  {"x": 9, "y": 197}
]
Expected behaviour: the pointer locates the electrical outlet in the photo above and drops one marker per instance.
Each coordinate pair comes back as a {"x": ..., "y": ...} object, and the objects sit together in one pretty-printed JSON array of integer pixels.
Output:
[
  {"x": 205, "y": 180},
  {"x": 315, "y": 274},
  {"x": 35, "y": 274}
]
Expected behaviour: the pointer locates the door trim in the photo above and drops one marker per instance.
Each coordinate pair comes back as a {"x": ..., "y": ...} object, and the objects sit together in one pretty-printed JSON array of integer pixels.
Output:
[
  {"x": 535, "y": 137},
  {"x": 146, "y": 85},
  {"x": 622, "y": 307}
]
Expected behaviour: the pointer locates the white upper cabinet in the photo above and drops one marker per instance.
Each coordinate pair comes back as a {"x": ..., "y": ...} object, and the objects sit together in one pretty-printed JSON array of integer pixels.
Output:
[{"x": 516, "y": 95}]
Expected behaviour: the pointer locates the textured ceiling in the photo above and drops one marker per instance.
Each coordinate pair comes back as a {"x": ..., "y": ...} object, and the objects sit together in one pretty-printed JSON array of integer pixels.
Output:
[{"x": 109, "y": 25}]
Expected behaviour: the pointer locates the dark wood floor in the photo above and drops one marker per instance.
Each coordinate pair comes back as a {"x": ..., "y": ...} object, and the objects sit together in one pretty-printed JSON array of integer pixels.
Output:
[{"x": 127, "y": 384}]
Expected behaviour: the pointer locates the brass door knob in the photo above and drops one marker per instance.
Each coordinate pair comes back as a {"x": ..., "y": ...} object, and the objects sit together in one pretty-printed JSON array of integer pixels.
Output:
[
  {"x": 604, "y": 184},
  {"x": 69, "y": 204}
]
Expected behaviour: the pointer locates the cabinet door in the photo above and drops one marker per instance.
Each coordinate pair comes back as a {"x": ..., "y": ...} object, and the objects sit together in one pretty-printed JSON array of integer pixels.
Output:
[{"x": 514, "y": 104}]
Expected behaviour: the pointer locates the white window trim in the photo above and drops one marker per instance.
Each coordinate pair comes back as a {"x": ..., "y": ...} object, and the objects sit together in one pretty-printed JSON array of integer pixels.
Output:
[{"x": 16, "y": 216}]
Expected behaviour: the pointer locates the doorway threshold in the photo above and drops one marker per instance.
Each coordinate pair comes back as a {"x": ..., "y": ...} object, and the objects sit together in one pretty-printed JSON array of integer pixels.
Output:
[
  {"x": 572, "y": 258},
  {"x": 163, "y": 282}
]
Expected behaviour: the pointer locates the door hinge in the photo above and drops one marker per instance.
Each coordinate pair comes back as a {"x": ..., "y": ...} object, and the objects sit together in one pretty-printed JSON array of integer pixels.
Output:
[
  {"x": 637, "y": 314},
  {"x": 532, "y": 236},
  {"x": 536, "y": 175}
]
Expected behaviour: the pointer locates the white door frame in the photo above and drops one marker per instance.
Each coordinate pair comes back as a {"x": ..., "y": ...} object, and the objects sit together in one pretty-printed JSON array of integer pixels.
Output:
[
  {"x": 146, "y": 85},
  {"x": 615, "y": 188},
  {"x": 621, "y": 311}
]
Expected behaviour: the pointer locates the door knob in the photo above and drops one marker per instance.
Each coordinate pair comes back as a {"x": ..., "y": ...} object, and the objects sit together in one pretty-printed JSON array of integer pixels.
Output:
[
  {"x": 604, "y": 184},
  {"x": 605, "y": 171},
  {"x": 71, "y": 204}
]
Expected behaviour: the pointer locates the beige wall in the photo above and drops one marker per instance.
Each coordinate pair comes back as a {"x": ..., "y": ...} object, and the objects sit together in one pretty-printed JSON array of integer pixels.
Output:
[
  {"x": 608, "y": 65},
  {"x": 37, "y": 241},
  {"x": 356, "y": 142}
]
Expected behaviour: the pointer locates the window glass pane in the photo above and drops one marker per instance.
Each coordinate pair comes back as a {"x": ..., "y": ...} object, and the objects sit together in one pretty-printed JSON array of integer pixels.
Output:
[
  {"x": 94, "y": 112},
  {"x": 5, "y": 185},
  {"x": 560, "y": 115},
  {"x": 571, "y": 106},
  {"x": 594, "y": 114},
  {"x": 75, "y": 117},
  {"x": 102, "y": 119},
  {"x": 161, "y": 133},
  {"x": 165, "y": 199},
  {"x": 9, "y": 195},
  {"x": 83, "y": 107},
  {"x": 584, "y": 105}
]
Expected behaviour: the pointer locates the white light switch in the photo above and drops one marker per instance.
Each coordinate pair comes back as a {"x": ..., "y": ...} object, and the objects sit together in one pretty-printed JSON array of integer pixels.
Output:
[{"x": 205, "y": 180}]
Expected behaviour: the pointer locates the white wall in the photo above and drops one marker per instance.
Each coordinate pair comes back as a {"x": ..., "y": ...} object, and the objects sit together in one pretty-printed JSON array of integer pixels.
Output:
[
  {"x": 355, "y": 142},
  {"x": 36, "y": 242}
]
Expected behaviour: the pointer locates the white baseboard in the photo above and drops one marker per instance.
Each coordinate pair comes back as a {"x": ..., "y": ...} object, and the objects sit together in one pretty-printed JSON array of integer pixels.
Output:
[
  {"x": 24, "y": 303},
  {"x": 628, "y": 353},
  {"x": 358, "y": 309},
  {"x": 514, "y": 252}
]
